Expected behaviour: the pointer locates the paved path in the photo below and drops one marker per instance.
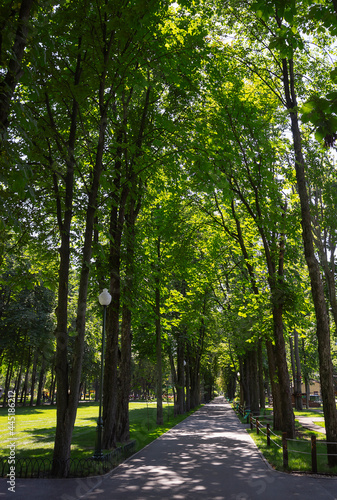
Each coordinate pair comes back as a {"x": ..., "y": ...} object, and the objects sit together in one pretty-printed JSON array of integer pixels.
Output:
[
  {"x": 309, "y": 423},
  {"x": 208, "y": 456}
]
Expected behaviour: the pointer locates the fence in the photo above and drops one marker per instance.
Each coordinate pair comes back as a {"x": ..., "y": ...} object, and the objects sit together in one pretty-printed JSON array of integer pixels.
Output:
[
  {"x": 313, "y": 448},
  {"x": 78, "y": 467}
]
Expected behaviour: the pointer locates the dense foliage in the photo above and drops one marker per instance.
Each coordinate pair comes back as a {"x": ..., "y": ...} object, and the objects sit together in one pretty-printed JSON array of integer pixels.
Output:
[{"x": 182, "y": 156}]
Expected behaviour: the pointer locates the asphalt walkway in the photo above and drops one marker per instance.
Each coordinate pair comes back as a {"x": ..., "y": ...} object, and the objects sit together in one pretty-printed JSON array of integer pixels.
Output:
[
  {"x": 208, "y": 456},
  {"x": 309, "y": 423}
]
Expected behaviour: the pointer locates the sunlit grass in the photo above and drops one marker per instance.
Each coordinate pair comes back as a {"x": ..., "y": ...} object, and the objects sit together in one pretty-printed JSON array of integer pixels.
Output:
[
  {"x": 308, "y": 413},
  {"x": 35, "y": 429},
  {"x": 321, "y": 424},
  {"x": 299, "y": 450}
]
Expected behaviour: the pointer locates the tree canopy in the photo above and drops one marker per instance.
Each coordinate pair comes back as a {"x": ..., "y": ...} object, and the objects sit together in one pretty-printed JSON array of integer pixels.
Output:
[{"x": 181, "y": 155}]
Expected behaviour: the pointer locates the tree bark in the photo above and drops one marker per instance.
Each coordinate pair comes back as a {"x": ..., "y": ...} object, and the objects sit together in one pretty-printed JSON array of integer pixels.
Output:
[
  {"x": 110, "y": 386},
  {"x": 261, "y": 374},
  {"x": 180, "y": 386},
  {"x": 275, "y": 279},
  {"x": 32, "y": 386},
  {"x": 244, "y": 377},
  {"x": 41, "y": 380},
  {"x": 195, "y": 383},
  {"x": 14, "y": 72},
  {"x": 174, "y": 380},
  {"x": 275, "y": 387},
  {"x": 18, "y": 379},
  {"x": 188, "y": 385},
  {"x": 292, "y": 361},
  {"x": 329, "y": 270},
  {"x": 159, "y": 374},
  {"x": 123, "y": 425},
  {"x": 288, "y": 421},
  {"x": 254, "y": 382},
  {"x": 8, "y": 381},
  {"x": 25, "y": 384},
  {"x": 317, "y": 290},
  {"x": 193, "y": 355},
  {"x": 66, "y": 411},
  {"x": 298, "y": 375}
]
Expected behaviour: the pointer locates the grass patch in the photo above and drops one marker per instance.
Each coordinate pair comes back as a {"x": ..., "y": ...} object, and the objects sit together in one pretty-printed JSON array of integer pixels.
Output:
[
  {"x": 35, "y": 429},
  {"x": 321, "y": 424},
  {"x": 299, "y": 450},
  {"x": 308, "y": 413}
]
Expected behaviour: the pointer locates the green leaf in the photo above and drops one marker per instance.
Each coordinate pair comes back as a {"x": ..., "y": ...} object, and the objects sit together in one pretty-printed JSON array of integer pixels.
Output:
[
  {"x": 332, "y": 96},
  {"x": 308, "y": 106},
  {"x": 333, "y": 75},
  {"x": 289, "y": 16},
  {"x": 320, "y": 134}
]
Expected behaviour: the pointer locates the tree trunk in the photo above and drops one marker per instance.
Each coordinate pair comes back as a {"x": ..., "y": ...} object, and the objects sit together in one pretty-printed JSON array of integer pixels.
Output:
[
  {"x": 63, "y": 425},
  {"x": 53, "y": 394},
  {"x": 18, "y": 382},
  {"x": 64, "y": 428},
  {"x": 8, "y": 381},
  {"x": 292, "y": 361},
  {"x": 329, "y": 269},
  {"x": 288, "y": 420},
  {"x": 275, "y": 387},
  {"x": 174, "y": 380},
  {"x": 245, "y": 376},
  {"x": 195, "y": 384},
  {"x": 110, "y": 386},
  {"x": 261, "y": 374},
  {"x": 317, "y": 290},
  {"x": 180, "y": 374},
  {"x": 254, "y": 382},
  {"x": 41, "y": 381},
  {"x": 25, "y": 385},
  {"x": 298, "y": 375},
  {"x": 14, "y": 72},
  {"x": 32, "y": 386},
  {"x": 307, "y": 391},
  {"x": 123, "y": 425},
  {"x": 188, "y": 386},
  {"x": 159, "y": 375}
]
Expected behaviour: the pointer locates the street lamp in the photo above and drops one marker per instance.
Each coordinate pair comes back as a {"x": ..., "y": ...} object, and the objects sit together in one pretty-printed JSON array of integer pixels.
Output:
[{"x": 104, "y": 299}]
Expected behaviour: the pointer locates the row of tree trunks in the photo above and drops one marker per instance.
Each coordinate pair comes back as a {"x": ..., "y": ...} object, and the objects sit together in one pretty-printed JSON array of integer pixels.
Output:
[
  {"x": 296, "y": 370},
  {"x": 126, "y": 201},
  {"x": 317, "y": 289},
  {"x": 24, "y": 389},
  {"x": 277, "y": 360},
  {"x": 159, "y": 371},
  {"x": 180, "y": 382},
  {"x": 124, "y": 386},
  {"x": 110, "y": 385},
  {"x": 186, "y": 375}
]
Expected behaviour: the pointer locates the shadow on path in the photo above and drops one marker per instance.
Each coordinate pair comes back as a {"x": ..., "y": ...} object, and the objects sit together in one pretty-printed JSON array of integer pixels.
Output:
[{"x": 207, "y": 456}]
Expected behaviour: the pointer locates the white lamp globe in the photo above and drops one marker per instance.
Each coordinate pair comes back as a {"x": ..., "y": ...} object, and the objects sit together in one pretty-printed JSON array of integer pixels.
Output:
[{"x": 104, "y": 298}]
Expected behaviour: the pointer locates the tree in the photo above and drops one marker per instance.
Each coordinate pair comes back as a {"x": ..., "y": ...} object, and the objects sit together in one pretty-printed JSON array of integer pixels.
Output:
[
  {"x": 141, "y": 132},
  {"x": 274, "y": 28},
  {"x": 11, "y": 57}
]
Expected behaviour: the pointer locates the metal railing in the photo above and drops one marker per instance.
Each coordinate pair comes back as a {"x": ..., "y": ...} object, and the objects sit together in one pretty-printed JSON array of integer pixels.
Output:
[{"x": 78, "y": 467}]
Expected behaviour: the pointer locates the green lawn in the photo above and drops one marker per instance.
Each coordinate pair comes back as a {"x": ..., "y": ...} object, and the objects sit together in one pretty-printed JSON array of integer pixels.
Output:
[
  {"x": 309, "y": 413},
  {"x": 35, "y": 429},
  {"x": 321, "y": 424},
  {"x": 299, "y": 450}
]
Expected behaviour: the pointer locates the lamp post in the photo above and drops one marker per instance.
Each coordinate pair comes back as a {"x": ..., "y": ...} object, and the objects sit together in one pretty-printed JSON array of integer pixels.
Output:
[{"x": 104, "y": 299}]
